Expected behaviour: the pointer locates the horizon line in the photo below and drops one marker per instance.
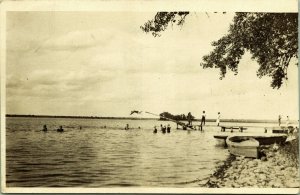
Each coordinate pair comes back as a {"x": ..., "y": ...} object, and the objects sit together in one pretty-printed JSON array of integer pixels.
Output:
[{"x": 136, "y": 118}]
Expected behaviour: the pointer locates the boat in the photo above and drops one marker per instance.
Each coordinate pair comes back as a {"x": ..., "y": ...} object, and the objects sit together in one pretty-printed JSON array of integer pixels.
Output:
[
  {"x": 266, "y": 139},
  {"x": 243, "y": 146},
  {"x": 281, "y": 129},
  {"x": 271, "y": 139},
  {"x": 221, "y": 140}
]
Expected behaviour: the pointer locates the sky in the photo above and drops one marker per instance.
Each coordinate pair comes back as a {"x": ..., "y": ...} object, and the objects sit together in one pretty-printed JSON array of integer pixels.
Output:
[{"x": 103, "y": 64}]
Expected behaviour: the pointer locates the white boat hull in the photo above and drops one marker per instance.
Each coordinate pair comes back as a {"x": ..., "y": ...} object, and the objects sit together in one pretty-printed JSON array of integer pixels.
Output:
[{"x": 243, "y": 146}]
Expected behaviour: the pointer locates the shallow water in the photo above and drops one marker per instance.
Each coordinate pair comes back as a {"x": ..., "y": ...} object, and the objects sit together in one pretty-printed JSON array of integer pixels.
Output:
[{"x": 99, "y": 156}]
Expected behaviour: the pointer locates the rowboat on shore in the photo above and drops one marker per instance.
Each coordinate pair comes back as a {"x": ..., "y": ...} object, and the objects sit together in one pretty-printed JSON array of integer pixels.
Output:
[
  {"x": 262, "y": 139},
  {"x": 243, "y": 146},
  {"x": 271, "y": 139}
]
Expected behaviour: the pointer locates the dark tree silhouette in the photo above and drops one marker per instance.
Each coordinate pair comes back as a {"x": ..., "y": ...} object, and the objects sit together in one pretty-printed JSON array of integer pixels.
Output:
[
  {"x": 164, "y": 115},
  {"x": 271, "y": 39},
  {"x": 162, "y": 20}
]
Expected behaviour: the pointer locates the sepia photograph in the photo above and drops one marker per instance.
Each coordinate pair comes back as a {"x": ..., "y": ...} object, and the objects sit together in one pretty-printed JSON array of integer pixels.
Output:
[{"x": 142, "y": 99}]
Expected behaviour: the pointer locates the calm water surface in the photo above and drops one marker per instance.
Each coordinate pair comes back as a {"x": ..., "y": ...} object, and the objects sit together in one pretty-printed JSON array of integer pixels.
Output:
[{"x": 99, "y": 156}]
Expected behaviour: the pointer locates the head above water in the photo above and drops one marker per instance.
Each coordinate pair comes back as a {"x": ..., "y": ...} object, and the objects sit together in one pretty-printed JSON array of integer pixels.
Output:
[{"x": 203, "y": 111}]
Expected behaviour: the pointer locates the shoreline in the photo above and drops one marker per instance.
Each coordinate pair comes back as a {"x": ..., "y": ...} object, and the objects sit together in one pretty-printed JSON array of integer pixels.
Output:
[{"x": 279, "y": 168}]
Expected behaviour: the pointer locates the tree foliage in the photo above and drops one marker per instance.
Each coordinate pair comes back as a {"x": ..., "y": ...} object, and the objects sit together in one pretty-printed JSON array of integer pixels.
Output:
[
  {"x": 271, "y": 39},
  {"x": 162, "y": 20},
  {"x": 178, "y": 117}
]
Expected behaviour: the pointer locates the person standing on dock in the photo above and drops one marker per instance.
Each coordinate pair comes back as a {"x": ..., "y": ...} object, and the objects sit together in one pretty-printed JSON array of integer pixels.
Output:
[
  {"x": 279, "y": 120},
  {"x": 189, "y": 117},
  {"x": 203, "y": 118},
  {"x": 218, "y": 119}
]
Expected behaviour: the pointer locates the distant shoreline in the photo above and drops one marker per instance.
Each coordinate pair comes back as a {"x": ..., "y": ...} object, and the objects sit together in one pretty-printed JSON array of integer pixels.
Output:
[
  {"x": 136, "y": 118},
  {"x": 78, "y": 117}
]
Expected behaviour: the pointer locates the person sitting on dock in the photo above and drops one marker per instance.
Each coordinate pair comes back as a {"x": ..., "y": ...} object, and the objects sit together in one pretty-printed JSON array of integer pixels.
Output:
[
  {"x": 60, "y": 129},
  {"x": 168, "y": 128},
  {"x": 155, "y": 130},
  {"x": 203, "y": 118},
  {"x": 45, "y": 128},
  {"x": 127, "y": 127}
]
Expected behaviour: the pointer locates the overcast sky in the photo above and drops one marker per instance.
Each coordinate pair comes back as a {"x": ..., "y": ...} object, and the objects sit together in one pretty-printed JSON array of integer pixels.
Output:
[{"x": 102, "y": 64}]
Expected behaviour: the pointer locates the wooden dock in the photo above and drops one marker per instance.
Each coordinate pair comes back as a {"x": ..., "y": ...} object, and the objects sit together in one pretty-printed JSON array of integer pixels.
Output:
[{"x": 232, "y": 128}]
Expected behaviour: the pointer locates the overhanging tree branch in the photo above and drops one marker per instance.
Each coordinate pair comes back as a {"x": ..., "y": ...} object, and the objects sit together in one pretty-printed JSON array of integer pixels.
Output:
[{"x": 271, "y": 39}]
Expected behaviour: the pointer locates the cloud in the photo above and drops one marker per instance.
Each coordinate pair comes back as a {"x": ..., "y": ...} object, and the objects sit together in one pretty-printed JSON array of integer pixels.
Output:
[
  {"x": 78, "y": 40},
  {"x": 56, "y": 84}
]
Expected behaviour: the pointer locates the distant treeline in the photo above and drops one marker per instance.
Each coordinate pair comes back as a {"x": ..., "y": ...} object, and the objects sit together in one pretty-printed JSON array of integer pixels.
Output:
[{"x": 78, "y": 117}]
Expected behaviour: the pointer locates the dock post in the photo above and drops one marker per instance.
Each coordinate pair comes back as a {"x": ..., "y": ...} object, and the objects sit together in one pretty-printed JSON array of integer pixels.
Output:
[
  {"x": 231, "y": 130},
  {"x": 176, "y": 125}
]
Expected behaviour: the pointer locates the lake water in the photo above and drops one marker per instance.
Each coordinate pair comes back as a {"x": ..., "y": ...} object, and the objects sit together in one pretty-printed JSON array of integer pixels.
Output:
[{"x": 99, "y": 156}]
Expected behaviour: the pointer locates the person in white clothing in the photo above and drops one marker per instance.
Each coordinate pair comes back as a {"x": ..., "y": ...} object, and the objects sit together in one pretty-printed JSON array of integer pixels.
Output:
[{"x": 287, "y": 121}]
